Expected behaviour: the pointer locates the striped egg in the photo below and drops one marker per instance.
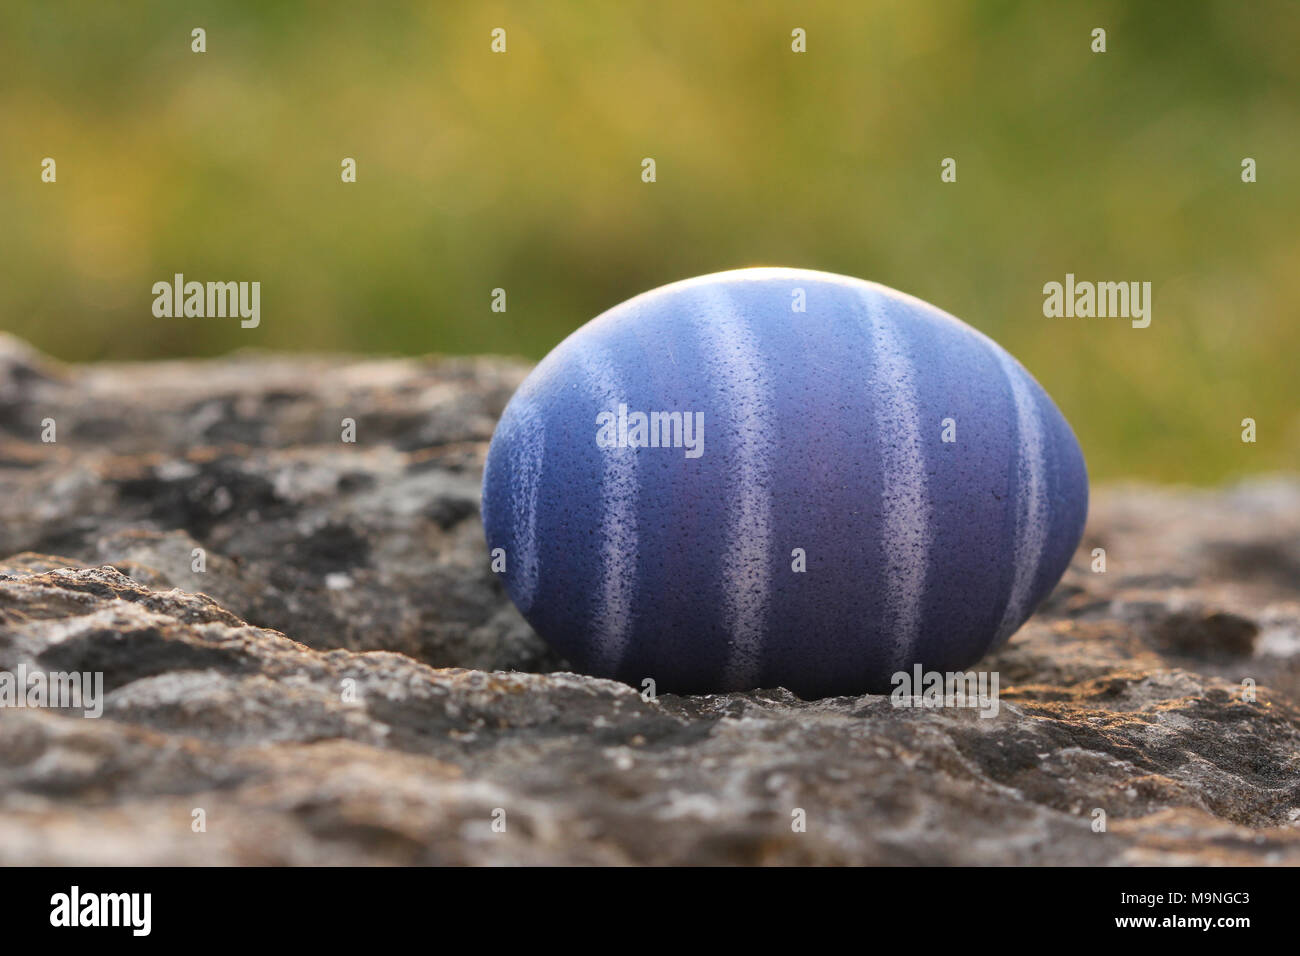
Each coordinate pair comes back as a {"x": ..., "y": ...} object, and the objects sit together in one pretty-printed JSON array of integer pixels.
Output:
[{"x": 780, "y": 477}]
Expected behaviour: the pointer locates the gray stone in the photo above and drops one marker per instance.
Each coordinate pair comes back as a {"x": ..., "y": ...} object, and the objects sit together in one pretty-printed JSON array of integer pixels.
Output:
[{"x": 346, "y": 682}]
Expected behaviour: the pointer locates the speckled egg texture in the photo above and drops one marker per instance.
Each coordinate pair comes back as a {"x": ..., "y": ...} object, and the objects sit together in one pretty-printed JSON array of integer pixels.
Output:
[{"x": 778, "y": 477}]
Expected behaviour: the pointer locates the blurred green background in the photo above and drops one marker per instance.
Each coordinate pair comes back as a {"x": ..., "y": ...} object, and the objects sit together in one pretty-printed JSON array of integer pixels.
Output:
[{"x": 522, "y": 171}]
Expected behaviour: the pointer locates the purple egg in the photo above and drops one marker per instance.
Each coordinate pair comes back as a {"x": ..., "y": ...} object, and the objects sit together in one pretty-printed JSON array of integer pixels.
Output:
[{"x": 780, "y": 477}]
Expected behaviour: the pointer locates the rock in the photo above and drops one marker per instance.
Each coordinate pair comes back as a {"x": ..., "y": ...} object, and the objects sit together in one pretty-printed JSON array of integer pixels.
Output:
[
  {"x": 346, "y": 682},
  {"x": 1206, "y": 634},
  {"x": 372, "y": 545}
]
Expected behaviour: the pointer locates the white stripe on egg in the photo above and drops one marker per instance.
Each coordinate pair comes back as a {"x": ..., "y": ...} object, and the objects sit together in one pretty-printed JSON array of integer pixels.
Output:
[
  {"x": 1031, "y": 497},
  {"x": 905, "y": 503},
  {"x": 733, "y": 351},
  {"x": 526, "y": 476},
  {"x": 612, "y": 619}
]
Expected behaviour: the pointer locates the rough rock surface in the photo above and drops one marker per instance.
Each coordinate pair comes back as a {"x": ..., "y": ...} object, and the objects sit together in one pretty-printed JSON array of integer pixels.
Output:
[{"x": 345, "y": 682}]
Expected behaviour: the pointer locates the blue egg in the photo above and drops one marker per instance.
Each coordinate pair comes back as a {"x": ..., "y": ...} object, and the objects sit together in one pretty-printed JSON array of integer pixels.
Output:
[{"x": 780, "y": 477}]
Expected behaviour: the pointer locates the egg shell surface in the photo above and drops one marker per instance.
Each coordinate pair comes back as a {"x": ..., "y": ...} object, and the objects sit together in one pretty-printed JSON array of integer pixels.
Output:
[{"x": 847, "y": 491}]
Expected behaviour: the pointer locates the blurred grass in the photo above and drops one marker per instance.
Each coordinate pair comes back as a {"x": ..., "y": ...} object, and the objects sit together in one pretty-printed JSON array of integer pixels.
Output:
[{"x": 523, "y": 171}]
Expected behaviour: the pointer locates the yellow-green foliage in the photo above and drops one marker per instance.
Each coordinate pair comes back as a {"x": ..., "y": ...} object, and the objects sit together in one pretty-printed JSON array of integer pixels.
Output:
[{"x": 522, "y": 170}]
